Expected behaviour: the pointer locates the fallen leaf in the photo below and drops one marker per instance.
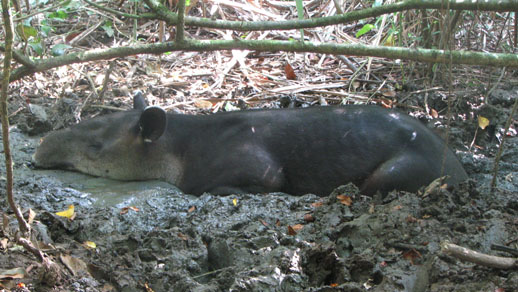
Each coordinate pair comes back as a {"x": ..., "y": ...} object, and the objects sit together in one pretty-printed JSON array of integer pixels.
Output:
[
  {"x": 263, "y": 222},
  {"x": 344, "y": 199},
  {"x": 126, "y": 209},
  {"x": 75, "y": 265},
  {"x": 183, "y": 236},
  {"x": 69, "y": 213},
  {"x": 291, "y": 231},
  {"x": 234, "y": 202},
  {"x": 411, "y": 219},
  {"x": 383, "y": 264},
  {"x": 371, "y": 209},
  {"x": 411, "y": 255},
  {"x": 191, "y": 209},
  {"x": 278, "y": 223},
  {"x": 309, "y": 218},
  {"x": 333, "y": 285},
  {"x": 388, "y": 93},
  {"x": 89, "y": 244},
  {"x": 297, "y": 227},
  {"x": 30, "y": 216},
  {"x": 290, "y": 73},
  {"x": 148, "y": 289},
  {"x": 317, "y": 204},
  {"x": 3, "y": 243},
  {"x": 203, "y": 104},
  {"x": 434, "y": 113},
  {"x": 397, "y": 208},
  {"x": 20, "y": 285},
  {"x": 483, "y": 122}
]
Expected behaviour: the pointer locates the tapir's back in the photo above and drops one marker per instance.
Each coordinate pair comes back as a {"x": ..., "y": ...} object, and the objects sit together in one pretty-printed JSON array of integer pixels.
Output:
[{"x": 314, "y": 150}]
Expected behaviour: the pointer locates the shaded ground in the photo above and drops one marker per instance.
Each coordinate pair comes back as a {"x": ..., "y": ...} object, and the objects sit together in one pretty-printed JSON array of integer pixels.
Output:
[{"x": 266, "y": 242}]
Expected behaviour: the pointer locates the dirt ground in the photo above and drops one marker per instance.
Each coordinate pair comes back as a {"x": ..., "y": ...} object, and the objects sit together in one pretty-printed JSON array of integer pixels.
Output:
[{"x": 151, "y": 237}]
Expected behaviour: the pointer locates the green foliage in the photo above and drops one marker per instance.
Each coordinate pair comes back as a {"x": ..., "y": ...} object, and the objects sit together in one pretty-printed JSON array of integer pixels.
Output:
[
  {"x": 365, "y": 29},
  {"x": 37, "y": 47},
  {"x": 25, "y": 32},
  {"x": 108, "y": 28}
]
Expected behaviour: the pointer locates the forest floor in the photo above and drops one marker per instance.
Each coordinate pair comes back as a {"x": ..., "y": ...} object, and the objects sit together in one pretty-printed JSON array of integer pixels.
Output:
[{"x": 149, "y": 236}]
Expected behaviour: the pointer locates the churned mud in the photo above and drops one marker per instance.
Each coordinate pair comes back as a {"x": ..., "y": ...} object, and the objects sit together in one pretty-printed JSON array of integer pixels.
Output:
[{"x": 148, "y": 235}]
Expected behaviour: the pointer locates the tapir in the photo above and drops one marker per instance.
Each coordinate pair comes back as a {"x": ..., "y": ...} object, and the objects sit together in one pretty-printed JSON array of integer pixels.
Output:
[{"x": 295, "y": 151}]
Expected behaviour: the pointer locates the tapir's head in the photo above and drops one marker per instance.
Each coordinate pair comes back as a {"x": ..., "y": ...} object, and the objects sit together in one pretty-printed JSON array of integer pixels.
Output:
[{"x": 124, "y": 145}]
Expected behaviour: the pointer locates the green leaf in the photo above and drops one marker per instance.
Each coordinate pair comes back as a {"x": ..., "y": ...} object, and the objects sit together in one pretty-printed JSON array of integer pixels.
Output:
[
  {"x": 187, "y": 3},
  {"x": 365, "y": 29},
  {"x": 58, "y": 15},
  {"x": 37, "y": 47},
  {"x": 59, "y": 49},
  {"x": 45, "y": 29},
  {"x": 26, "y": 31},
  {"x": 108, "y": 28}
]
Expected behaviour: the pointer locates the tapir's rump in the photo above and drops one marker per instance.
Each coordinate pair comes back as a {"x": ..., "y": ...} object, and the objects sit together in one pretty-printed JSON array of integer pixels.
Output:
[{"x": 296, "y": 151}]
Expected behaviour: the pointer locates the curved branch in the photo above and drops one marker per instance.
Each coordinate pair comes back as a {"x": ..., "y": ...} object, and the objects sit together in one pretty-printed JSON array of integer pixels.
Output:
[
  {"x": 423, "y": 55},
  {"x": 171, "y": 18}
]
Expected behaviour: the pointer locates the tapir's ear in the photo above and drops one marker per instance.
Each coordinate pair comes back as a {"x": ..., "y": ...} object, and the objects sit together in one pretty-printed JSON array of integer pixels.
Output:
[
  {"x": 153, "y": 122},
  {"x": 139, "y": 102}
]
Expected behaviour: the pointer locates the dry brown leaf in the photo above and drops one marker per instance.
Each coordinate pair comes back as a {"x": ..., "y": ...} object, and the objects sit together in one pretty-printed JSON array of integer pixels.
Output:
[
  {"x": 388, "y": 93},
  {"x": 30, "y": 216},
  {"x": 290, "y": 73},
  {"x": 434, "y": 113},
  {"x": 317, "y": 204},
  {"x": 333, "y": 285},
  {"x": 191, "y": 209},
  {"x": 297, "y": 227},
  {"x": 203, "y": 104},
  {"x": 3, "y": 243},
  {"x": 411, "y": 255},
  {"x": 344, "y": 199},
  {"x": 183, "y": 236},
  {"x": 309, "y": 218},
  {"x": 411, "y": 219},
  {"x": 291, "y": 231},
  {"x": 278, "y": 223},
  {"x": 371, "y": 209},
  {"x": 397, "y": 208},
  {"x": 75, "y": 265},
  {"x": 263, "y": 222}
]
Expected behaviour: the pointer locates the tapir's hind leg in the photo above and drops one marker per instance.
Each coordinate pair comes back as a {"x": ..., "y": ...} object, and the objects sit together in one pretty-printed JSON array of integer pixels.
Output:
[{"x": 406, "y": 172}]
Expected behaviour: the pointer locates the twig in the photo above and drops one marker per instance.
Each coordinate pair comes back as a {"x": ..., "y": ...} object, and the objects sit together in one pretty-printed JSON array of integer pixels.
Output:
[
  {"x": 477, "y": 257},
  {"x": 512, "y": 251},
  {"x": 106, "y": 80},
  {"x": 212, "y": 272}
]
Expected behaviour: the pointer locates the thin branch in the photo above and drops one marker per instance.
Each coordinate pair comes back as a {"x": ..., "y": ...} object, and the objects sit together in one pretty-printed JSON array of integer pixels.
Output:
[
  {"x": 171, "y": 18},
  {"x": 9, "y": 36},
  {"x": 423, "y": 55}
]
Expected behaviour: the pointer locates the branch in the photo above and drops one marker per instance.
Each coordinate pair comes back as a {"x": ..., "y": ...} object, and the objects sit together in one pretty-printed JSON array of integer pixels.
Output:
[
  {"x": 9, "y": 36},
  {"x": 477, "y": 257},
  {"x": 171, "y": 18},
  {"x": 424, "y": 55}
]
